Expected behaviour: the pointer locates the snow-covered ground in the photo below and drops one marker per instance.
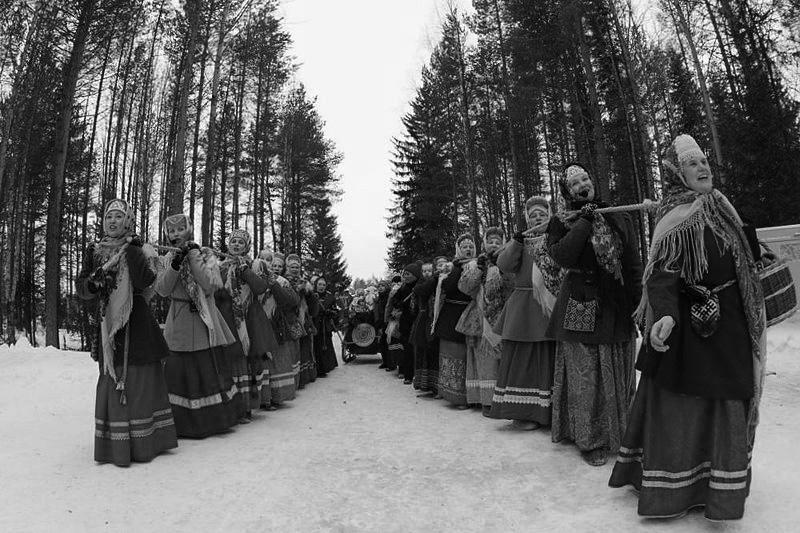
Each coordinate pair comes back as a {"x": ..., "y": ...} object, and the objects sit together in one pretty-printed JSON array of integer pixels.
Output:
[{"x": 356, "y": 451}]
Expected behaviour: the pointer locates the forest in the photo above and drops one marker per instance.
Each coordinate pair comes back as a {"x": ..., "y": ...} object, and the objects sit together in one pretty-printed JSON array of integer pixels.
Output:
[
  {"x": 189, "y": 106},
  {"x": 517, "y": 90}
]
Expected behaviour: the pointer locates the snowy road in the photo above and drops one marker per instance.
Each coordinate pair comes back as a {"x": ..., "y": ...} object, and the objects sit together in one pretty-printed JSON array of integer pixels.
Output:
[{"x": 357, "y": 451}]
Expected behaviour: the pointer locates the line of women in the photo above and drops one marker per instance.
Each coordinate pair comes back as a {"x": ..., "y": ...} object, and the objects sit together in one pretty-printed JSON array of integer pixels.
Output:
[
  {"x": 541, "y": 330},
  {"x": 241, "y": 334}
]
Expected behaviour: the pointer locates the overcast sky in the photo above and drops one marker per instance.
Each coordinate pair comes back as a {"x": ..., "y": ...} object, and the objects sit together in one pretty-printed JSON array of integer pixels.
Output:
[{"x": 362, "y": 60}]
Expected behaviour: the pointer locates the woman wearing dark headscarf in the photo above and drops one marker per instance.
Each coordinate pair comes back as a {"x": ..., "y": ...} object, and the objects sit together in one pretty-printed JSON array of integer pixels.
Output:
[
  {"x": 133, "y": 418},
  {"x": 594, "y": 379},
  {"x": 426, "y": 345},
  {"x": 325, "y": 324},
  {"x": 400, "y": 308},
  {"x": 693, "y": 420}
]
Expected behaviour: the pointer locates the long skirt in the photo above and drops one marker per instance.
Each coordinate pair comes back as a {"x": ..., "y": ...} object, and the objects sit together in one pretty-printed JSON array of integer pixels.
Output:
[
  {"x": 395, "y": 353},
  {"x": 453, "y": 371},
  {"x": 524, "y": 382},
  {"x": 282, "y": 374},
  {"x": 426, "y": 366},
  {"x": 259, "y": 381},
  {"x": 240, "y": 372},
  {"x": 201, "y": 392},
  {"x": 325, "y": 354},
  {"x": 593, "y": 385},
  {"x": 140, "y": 429},
  {"x": 406, "y": 362},
  {"x": 308, "y": 367},
  {"x": 482, "y": 362},
  {"x": 684, "y": 451}
]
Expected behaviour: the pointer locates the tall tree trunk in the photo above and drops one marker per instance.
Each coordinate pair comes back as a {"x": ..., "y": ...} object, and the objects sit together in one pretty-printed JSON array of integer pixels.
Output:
[
  {"x": 598, "y": 131},
  {"x": 208, "y": 176},
  {"x": 198, "y": 113},
  {"x": 53, "y": 235},
  {"x": 683, "y": 27},
  {"x": 467, "y": 128},
  {"x": 519, "y": 216},
  {"x": 177, "y": 182}
]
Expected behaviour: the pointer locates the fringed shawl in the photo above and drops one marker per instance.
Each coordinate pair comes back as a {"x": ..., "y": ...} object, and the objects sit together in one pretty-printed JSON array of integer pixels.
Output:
[
  {"x": 678, "y": 246},
  {"x": 241, "y": 294}
]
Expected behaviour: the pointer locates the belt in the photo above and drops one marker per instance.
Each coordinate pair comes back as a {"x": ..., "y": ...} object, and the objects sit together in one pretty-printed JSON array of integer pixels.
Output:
[
  {"x": 580, "y": 271},
  {"x": 459, "y": 302}
]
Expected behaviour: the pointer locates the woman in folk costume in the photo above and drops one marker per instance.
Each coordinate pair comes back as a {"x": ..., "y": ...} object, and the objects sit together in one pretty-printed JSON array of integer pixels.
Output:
[
  {"x": 523, "y": 392},
  {"x": 326, "y": 325},
  {"x": 133, "y": 419},
  {"x": 449, "y": 305},
  {"x": 426, "y": 345},
  {"x": 693, "y": 420},
  {"x": 201, "y": 388},
  {"x": 593, "y": 380},
  {"x": 280, "y": 304},
  {"x": 306, "y": 312},
  {"x": 481, "y": 359},
  {"x": 401, "y": 309},
  {"x": 255, "y": 342}
]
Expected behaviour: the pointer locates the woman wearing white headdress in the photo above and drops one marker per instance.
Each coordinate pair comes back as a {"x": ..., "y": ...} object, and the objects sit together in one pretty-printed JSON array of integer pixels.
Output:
[
  {"x": 201, "y": 388},
  {"x": 133, "y": 419},
  {"x": 693, "y": 420}
]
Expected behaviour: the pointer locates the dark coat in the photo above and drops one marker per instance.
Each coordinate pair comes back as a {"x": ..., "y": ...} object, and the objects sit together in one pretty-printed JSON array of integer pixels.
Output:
[
  {"x": 325, "y": 320},
  {"x": 285, "y": 314},
  {"x": 259, "y": 329},
  {"x": 424, "y": 290},
  {"x": 454, "y": 304},
  {"x": 585, "y": 280},
  {"x": 146, "y": 342},
  {"x": 402, "y": 301},
  {"x": 719, "y": 366}
]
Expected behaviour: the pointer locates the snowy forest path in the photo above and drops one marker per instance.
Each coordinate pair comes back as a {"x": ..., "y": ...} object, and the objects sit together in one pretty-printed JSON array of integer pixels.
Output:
[{"x": 356, "y": 451}]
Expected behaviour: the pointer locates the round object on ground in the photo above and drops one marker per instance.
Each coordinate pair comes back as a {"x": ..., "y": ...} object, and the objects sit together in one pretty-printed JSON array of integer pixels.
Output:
[{"x": 363, "y": 334}]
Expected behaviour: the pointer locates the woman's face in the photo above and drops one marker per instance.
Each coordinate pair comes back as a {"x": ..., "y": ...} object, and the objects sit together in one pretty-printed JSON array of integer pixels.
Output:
[
  {"x": 440, "y": 263},
  {"x": 697, "y": 173},
  {"x": 237, "y": 246},
  {"x": 114, "y": 224},
  {"x": 537, "y": 215},
  {"x": 277, "y": 266},
  {"x": 427, "y": 271},
  {"x": 581, "y": 187},
  {"x": 493, "y": 243},
  {"x": 322, "y": 285},
  {"x": 177, "y": 233},
  {"x": 407, "y": 277},
  {"x": 467, "y": 248},
  {"x": 293, "y": 269}
]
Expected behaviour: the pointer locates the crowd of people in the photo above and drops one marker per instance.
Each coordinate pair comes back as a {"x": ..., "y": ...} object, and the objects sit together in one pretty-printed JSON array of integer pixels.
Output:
[
  {"x": 241, "y": 334},
  {"x": 539, "y": 329}
]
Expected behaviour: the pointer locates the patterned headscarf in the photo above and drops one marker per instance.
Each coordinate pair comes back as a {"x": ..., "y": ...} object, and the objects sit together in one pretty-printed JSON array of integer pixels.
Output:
[
  {"x": 242, "y": 234},
  {"x": 175, "y": 220},
  {"x": 606, "y": 242},
  {"x": 117, "y": 305}
]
